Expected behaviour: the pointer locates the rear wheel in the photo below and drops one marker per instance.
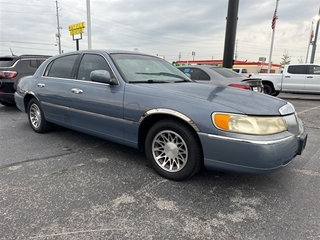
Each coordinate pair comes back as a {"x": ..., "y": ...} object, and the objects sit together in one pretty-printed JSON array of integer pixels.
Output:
[
  {"x": 174, "y": 150},
  {"x": 36, "y": 118},
  {"x": 268, "y": 89}
]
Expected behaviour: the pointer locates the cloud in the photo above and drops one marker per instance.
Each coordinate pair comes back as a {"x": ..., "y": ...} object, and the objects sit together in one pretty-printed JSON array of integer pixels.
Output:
[{"x": 163, "y": 27}]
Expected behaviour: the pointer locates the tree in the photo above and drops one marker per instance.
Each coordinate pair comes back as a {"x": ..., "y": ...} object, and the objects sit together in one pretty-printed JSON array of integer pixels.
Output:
[
  {"x": 286, "y": 58},
  {"x": 300, "y": 60}
]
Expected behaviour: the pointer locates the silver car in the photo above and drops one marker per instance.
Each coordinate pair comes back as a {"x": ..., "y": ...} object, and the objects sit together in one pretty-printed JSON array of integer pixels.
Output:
[{"x": 222, "y": 76}]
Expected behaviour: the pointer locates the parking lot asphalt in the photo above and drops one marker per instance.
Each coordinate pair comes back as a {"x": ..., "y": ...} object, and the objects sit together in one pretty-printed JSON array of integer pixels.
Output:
[{"x": 68, "y": 185}]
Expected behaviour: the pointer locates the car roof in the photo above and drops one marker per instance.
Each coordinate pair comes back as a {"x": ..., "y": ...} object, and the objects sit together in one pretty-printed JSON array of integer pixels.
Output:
[{"x": 13, "y": 57}]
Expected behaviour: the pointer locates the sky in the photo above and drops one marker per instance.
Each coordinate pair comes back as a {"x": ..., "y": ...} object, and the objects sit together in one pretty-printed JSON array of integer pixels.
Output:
[{"x": 172, "y": 29}]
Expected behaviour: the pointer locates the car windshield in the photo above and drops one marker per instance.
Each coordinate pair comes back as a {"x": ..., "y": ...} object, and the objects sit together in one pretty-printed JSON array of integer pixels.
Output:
[{"x": 138, "y": 68}]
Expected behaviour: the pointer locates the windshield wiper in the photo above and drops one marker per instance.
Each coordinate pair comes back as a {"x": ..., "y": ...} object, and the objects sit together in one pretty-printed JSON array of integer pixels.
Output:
[
  {"x": 163, "y": 74},
  {"x": 149, "y": 81},
  {"x": 184, "y": 80}
]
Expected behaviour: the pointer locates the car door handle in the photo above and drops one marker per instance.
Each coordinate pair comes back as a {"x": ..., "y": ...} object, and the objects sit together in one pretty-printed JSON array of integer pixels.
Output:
[
  {"x": 309, "y": 77},
  {"x": 41, "y": 85},
  {"x": 76, "y": 90},
  {"x": 287, "y": 76}
]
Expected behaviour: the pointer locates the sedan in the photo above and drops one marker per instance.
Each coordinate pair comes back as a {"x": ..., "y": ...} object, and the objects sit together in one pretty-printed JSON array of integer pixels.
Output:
[
  {"x": 144, "y": 102},
  {"x": 223, "y": 76}
]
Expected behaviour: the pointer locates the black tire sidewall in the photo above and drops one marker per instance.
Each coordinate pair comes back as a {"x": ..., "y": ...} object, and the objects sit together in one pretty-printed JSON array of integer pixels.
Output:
[
  {"x": 269, "y": 89},
  {"x": 195, "y": 158}
]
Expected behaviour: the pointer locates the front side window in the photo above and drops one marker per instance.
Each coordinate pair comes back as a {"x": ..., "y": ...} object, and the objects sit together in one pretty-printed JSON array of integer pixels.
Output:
[
  {"x": 89, "y": 63},
  {"x": 61, "y": 67}
]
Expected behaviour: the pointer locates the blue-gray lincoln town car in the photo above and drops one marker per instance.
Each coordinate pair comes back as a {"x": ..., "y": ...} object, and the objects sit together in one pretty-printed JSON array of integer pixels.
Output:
[{"x": 144, "y": 102}]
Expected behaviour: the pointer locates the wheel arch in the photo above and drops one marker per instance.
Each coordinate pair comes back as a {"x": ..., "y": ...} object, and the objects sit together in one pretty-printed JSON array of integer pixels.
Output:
[
  {"x": 268, "y": 82},
  {"x": 28, "y": 96},
  {"x": 153, "y": 116}
]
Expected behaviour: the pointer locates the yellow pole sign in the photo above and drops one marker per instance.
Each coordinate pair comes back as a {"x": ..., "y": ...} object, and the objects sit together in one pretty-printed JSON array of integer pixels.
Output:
[{"x": 77, "y": 28}]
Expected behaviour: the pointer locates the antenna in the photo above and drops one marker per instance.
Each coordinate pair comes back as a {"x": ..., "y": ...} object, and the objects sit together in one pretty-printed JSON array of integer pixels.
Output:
[{"x": 11, "y": 51}]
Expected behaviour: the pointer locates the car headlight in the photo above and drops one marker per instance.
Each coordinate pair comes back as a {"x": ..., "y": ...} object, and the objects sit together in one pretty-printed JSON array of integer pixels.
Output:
[{"x": 248, "y": 124}]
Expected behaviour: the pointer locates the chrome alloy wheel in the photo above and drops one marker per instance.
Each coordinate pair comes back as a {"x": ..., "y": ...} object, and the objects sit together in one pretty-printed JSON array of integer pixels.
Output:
[
  {"x": 35, "y": 116},
  {"x": 170, "y": 151}
]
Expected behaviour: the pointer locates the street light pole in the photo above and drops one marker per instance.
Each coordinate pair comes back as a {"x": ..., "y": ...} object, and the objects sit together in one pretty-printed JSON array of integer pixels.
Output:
[
  {"x": 58, "y": 35},
  {"x": 89, "y": 24},
  {"x": 314, "y": 46}
]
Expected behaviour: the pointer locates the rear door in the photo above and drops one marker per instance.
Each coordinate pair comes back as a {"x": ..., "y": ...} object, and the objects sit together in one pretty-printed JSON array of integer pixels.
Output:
[
  {"x": 294, "y": 79},
  {"x": 96, "y": 108},
  {"x": 312, "y": 83},
  {"x": 52, "y": 88}
]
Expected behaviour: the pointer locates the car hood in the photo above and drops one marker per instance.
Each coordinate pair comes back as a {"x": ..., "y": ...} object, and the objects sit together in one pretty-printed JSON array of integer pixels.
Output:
[{"x": 247, "y": 102}]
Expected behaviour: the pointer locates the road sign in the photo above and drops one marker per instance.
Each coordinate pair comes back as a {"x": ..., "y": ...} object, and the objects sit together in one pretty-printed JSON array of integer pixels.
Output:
[{"x": 77, "y": 28}]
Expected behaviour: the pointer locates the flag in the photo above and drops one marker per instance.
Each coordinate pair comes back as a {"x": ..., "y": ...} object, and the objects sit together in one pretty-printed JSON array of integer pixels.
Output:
[
  {"x": 311, "y": 37},
  {"x": 274, "y": 18}
]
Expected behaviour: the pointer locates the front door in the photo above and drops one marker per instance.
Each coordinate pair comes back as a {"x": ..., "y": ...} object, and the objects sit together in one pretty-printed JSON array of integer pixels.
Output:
[{"x": 96, "y": 108}]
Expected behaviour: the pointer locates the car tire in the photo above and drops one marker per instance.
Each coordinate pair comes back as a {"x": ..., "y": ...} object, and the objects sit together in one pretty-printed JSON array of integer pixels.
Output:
[
  {"x": 6, "y": 103},
  {"x": 275, "y": 93},
  {"x": 268, "y": 89},
  {"x": 36, "y": 117},
  {"x": 174, "y": 150}
]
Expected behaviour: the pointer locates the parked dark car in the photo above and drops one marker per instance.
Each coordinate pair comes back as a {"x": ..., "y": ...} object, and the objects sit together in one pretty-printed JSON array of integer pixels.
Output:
[
  {"x": 223, "y": 76},
  {"x": 12, "y": 68},
  {"x": 144, "y": 102}
]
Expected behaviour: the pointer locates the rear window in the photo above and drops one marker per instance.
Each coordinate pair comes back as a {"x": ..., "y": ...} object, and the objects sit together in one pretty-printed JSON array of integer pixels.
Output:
[
  {"x": 227, "y": 73},
  {"x": 6, "y": 62}
]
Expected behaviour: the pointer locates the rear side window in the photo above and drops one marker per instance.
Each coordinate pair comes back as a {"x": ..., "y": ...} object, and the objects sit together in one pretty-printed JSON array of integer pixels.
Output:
[
  {"x": 297, "y": 69},
  {"x": 34, "y": 63},
  {"x": 61, "y": 67},
  {"x": 314, "y": 69},
  {"x": 6, "y": 62}
]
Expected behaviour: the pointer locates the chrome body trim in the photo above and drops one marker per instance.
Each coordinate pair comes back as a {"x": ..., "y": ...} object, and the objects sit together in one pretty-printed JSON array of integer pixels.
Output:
[
  {"x": 88, "y": 113},
  {"x": 169, "y": 112}
]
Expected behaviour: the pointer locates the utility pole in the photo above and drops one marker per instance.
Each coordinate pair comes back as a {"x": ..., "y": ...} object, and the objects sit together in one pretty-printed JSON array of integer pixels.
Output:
[
  {"x": 58, "y": 35},
  {"x": 230, "y": 36},
  {"x": 314, "y": 46}
]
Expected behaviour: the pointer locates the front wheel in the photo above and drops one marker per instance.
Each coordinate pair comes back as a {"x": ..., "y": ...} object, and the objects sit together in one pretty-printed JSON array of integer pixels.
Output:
[
  {"x": 174, "y": 150},
  {"x": 36, "y": 117},
  {"x": 8, "y": 104}
]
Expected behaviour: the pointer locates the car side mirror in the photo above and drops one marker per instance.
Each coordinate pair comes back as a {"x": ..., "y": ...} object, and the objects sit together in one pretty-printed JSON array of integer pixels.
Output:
[{"x": 102, "y": 76}]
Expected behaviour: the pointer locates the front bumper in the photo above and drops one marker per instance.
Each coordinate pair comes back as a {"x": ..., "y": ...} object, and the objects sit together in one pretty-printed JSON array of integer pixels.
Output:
[{"x": 250, "y": 156}]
